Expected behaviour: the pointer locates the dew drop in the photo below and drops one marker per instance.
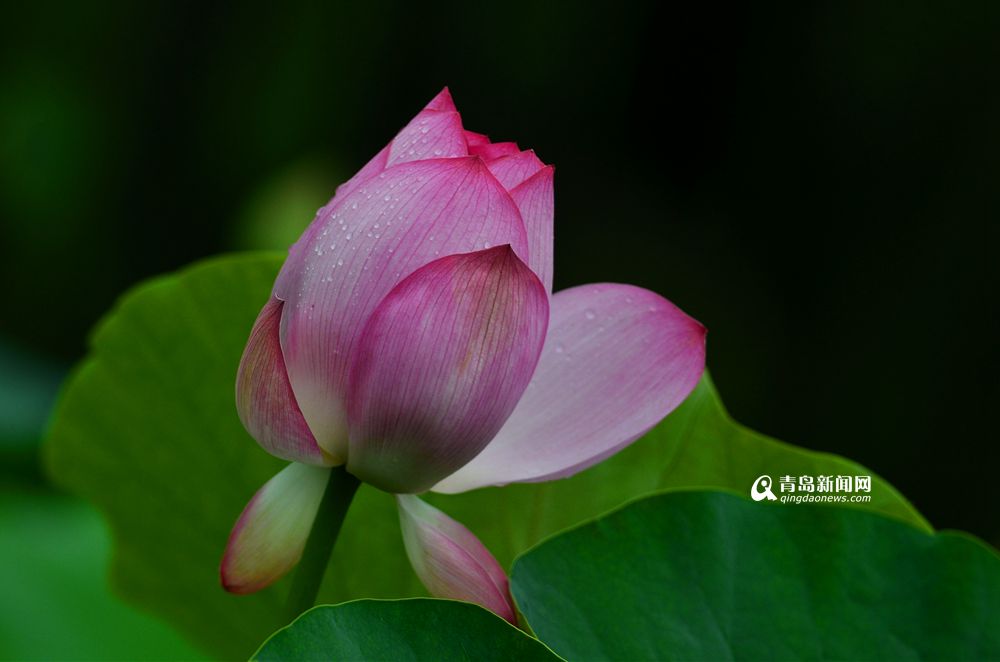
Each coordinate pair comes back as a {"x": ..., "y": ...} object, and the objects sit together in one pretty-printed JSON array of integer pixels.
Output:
[{"x": 589, "y": 314}]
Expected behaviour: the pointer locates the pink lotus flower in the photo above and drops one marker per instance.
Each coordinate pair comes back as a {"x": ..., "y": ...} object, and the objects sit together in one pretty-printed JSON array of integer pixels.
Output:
[{"x": 413, "y": 336}]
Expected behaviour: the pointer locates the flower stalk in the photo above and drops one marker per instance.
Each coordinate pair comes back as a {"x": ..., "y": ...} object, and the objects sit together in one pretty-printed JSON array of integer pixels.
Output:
[{"x": 337, "y": 498}]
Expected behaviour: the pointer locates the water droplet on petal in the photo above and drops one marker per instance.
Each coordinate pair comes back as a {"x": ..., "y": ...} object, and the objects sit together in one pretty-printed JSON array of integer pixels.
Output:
[{"x": 589, "y": 314}]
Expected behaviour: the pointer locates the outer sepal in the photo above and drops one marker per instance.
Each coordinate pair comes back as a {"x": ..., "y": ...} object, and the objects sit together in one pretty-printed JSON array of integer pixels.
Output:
[
  {"x": 450, "y": 560},
  {"x": 271, "y": 533}
]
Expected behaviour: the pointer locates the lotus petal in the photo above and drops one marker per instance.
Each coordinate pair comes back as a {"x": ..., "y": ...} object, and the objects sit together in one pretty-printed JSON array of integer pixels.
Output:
[
  {"x": 490, "y": 151},
  {"x": 617, "y": 359},
  {"x": 450, "y": 560},
  {"x": 369, "y": 241},
  {"x": 264, "y": 398},
  {"x": 441, "y": 364},
  {"x": 513, "y": 169},
  {"x": 271, "y": 533},
  {"x": 535, "y": 200}
]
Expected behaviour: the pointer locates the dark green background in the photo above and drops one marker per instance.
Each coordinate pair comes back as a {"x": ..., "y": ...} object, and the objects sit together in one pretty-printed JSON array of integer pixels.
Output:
[{"x": 817, "y": 184}]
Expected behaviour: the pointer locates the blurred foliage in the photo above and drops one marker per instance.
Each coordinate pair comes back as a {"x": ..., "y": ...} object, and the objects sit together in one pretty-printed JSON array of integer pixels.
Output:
[
  {"x": 56, "y": 600},
  {"x": 163, "y": 362},
  {"x": 278, "y": 213},
  {"x": 28, "y": 386}
]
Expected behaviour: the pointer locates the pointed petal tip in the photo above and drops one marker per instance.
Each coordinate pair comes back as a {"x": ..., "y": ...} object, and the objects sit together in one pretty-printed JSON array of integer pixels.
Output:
[
  {"x": 231, "y": 577},
  {"x": 473, "y": 138},
  {"x": 271, "y": 532},
  {"x": 697, "y": 331},
  {"x": 502, "y": 251},
  {"x": 493, "y": 151},
  {"x": 503, "y": 256},
  {"x": 543, "y": 174},
  {"x": 231, "y": 585},
  {"x": 442, "y": 101},
  {"x": 450, "y": 560},
  {"x": 545, "y": 166}
]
